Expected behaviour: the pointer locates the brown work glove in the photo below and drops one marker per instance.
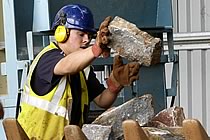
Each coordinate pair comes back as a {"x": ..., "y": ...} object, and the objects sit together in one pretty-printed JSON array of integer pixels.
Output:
[
  {"x": 102, "y": 39},
  {"x": 122, "y": 74}
]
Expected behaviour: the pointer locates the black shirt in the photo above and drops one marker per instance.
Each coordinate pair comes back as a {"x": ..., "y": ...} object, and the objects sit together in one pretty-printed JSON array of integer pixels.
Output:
[{"x": 44, "y": 80}]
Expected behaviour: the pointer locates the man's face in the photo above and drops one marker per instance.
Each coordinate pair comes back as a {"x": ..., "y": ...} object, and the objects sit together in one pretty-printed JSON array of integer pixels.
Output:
[{"x": 77, "y": 40}]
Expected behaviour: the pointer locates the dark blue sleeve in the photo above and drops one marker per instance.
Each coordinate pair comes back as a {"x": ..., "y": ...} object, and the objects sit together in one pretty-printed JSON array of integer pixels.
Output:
[
  {"x": 94, "y": 86},
  {"x": 43, "y": 78}
]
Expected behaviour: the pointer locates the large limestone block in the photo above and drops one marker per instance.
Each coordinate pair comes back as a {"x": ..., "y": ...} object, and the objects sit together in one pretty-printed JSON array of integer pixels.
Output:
[
  {"x": 139, "y": 109},
  {"x": 133, "y": 44}
]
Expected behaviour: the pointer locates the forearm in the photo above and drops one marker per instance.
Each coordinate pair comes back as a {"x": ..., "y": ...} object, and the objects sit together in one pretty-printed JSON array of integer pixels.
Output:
[
  {"x": 106, "y": 99},
  {"x": 74, "y": 62},
  {"x": 110, "y": 94}
]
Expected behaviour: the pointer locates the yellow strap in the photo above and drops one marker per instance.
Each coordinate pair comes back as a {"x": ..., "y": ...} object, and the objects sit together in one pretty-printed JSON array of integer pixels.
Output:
[{"x": 84, "y": 100}]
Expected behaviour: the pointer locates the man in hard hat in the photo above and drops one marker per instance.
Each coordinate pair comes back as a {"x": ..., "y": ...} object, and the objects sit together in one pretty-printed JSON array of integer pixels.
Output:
[{"x": 61, "y": 83}]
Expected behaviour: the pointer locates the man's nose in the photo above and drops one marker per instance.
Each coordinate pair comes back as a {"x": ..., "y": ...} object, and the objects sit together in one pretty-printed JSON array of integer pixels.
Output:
[{"x": 86, "y": 38}]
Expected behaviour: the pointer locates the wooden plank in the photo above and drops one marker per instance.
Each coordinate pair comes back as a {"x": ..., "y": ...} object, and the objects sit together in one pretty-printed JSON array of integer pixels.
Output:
[
  {"x": 133, "y": 131},
  {"x": 73, "y": 132},
  {"x": 13, "y": 130},
  {"x": 193, "y": 130}
]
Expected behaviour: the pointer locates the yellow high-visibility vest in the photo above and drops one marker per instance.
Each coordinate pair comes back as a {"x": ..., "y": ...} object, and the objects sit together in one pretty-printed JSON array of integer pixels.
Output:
[{"x": 44, "y": 117}]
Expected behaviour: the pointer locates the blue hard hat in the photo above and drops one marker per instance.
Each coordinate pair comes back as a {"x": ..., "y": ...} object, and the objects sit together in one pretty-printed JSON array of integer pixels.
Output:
[{"x": 75, "y": 16}]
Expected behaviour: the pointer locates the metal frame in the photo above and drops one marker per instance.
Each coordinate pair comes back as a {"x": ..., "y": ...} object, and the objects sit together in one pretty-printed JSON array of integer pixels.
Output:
[{"x": 12, "y": 65}]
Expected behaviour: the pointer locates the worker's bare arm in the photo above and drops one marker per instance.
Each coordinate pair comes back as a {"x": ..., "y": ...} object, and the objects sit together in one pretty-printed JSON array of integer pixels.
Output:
[
  {"x": 106, "y": 99},
  {"x": 74, "y": 62}
]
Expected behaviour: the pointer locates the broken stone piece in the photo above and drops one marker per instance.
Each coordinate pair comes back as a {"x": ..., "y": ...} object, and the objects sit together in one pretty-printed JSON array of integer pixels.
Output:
[
  {"x": 97, "y": 132},
  {"x": 170, "y": 117},
  {"x": 161, "y": 134},
  {"x": 133, "y": 44},
  {"x": 139, "y": 109}
]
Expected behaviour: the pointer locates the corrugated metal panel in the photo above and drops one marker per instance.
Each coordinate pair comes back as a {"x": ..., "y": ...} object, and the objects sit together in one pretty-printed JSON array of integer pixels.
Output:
[
  {"x": 194, "y": 84},
  {"x": 191, "y": 15},
  {"x": 206, "y": 12},
  {"x": 194, "y": 76}
]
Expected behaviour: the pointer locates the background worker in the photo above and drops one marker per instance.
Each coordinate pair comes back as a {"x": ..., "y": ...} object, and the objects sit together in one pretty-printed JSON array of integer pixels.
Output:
[{"x": 61, "y": 83}]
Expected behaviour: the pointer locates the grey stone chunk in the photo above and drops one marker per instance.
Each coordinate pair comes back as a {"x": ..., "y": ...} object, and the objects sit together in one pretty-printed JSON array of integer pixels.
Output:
[
  {"x": 161, "y": 134},
  {"x": 97, "y": 132},
  {"x": 133, "y": 44},
  {"x": 138, "y": 108}
]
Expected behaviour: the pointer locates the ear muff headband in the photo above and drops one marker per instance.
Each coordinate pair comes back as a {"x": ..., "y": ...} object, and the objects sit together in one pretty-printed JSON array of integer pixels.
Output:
[{"x": 61, "y": 34}]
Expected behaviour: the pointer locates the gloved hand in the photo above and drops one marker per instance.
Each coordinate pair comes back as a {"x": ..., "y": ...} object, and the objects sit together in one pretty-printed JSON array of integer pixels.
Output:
[
  {"x": 122, "y": 74},
  {"x": 102, "y": 39}
]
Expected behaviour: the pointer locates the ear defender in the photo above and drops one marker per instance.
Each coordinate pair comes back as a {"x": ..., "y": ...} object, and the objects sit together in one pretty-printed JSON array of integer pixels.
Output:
[{"x": 61, "y": 34}]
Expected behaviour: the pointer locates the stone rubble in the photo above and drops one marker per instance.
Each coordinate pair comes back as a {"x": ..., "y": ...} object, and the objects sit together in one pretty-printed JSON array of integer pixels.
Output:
[
  {"x": 138, "y": 108},
  {"x": 166, "y": 125},
  {"x": 97, "y": 132}
]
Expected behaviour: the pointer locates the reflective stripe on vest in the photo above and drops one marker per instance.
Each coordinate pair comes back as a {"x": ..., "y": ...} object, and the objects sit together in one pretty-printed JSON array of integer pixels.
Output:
[{"x": 53, "y": 106}]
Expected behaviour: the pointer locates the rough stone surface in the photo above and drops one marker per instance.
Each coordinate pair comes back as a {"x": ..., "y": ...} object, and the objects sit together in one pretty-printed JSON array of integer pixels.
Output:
[
  {"x": 170, "y": 117},
  {"x": 161, "y": 134},
  {"x": 138, "y": 108},
  {"x": 97, "y": 132},
  {"x": 133, "y": 44}
]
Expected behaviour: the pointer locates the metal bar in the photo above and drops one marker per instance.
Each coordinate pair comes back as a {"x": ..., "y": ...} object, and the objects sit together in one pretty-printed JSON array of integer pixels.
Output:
[
  {"x": 192, "y": 41},
  {"x": 10, "y": 47},
  {"x": 170, "y": 46},
  {"x": 29, "y": 39},
  {"x": 41, "y": 15}
]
